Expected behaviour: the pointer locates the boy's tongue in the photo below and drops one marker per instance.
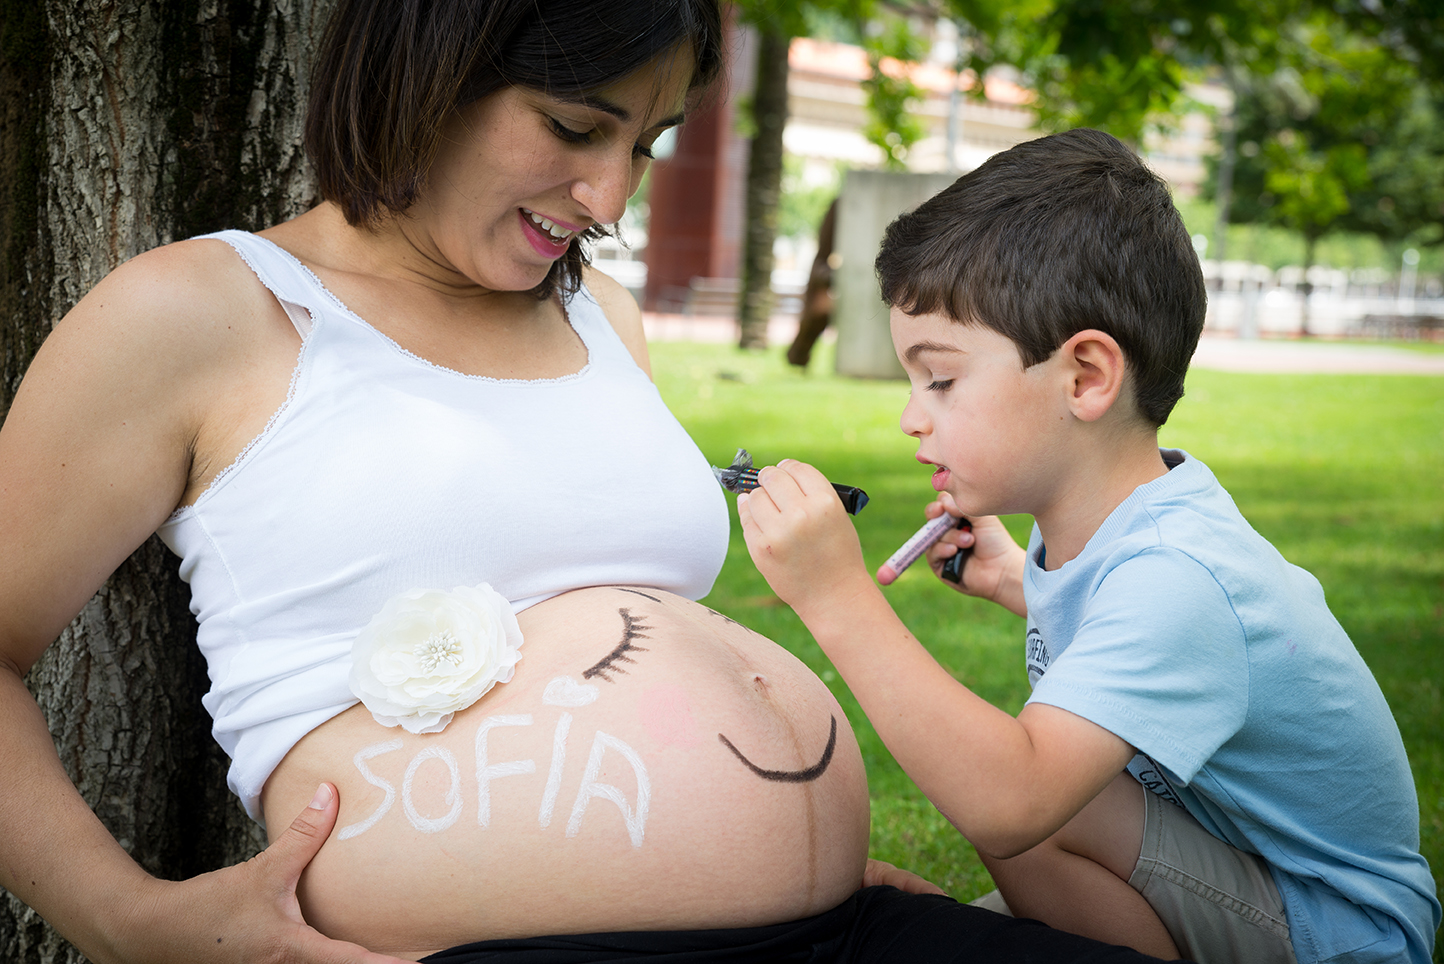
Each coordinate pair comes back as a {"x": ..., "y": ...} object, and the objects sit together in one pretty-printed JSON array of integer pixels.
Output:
[{"x": 940, "y": 477}]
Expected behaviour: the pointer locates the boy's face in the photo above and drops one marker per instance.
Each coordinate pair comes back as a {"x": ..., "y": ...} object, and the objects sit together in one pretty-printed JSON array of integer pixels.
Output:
[{"x": 991, "y": 428}]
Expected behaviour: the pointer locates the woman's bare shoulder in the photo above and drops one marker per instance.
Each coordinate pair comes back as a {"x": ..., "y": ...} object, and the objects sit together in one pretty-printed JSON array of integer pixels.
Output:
[
  {"x": 622, "y": 311},
  {"x": 198, "y": 279},
  {"x": 99, "y": 443},
  {"x": 182, "y": 308}
]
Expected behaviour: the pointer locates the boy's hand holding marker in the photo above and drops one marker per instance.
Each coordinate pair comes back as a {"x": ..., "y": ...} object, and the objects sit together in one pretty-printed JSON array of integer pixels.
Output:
[
  {"x": 993, "y": 561},
  {"x": 977, "y": 556},
  {"x": 800, "y": 537},
  {"x": 931, "y": 534}
]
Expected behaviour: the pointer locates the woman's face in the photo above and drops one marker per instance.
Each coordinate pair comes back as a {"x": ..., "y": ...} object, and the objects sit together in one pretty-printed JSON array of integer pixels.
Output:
[{"x": 521, "y": 172}]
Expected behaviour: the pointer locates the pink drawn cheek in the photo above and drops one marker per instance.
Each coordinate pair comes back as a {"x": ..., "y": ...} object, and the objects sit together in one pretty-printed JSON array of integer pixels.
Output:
[{"x": 667, "y": 716}]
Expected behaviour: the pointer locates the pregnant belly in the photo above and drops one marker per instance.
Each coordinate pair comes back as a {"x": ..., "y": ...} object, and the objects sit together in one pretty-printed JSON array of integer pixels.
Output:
[{"x": 652, "y": 765}]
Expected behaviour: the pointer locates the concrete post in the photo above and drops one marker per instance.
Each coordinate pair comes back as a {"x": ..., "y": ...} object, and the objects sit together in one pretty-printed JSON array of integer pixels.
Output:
[{"x": 867, "y": 204}]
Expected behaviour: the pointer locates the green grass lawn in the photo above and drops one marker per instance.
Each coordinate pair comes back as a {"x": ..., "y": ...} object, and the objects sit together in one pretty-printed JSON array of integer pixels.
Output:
[{"x": 1344, "y": 474}]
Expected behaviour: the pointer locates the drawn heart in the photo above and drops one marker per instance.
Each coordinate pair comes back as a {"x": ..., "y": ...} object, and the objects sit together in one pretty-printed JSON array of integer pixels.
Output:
[{"x": 565, "y": 691}]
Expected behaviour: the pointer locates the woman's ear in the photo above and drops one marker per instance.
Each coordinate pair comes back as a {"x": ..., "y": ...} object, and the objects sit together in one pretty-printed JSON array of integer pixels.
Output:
[{"x": 1097, "y": 368}]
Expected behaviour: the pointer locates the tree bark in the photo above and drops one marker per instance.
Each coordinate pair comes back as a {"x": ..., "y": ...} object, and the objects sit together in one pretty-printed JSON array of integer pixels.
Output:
[
  {"x": 764, "y": 186},
  {"x": 1307, "y": 288},
  {"x": 125, "y": 124}
]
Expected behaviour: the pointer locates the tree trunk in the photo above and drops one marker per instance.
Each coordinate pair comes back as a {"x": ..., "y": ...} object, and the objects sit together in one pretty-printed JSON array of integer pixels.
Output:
[
  {"x": 125, "y": 124},
  {"x": 764, "y": 186},
  {"x": 1307, "y": 289},
  {"x": 1223, "y": 193}
]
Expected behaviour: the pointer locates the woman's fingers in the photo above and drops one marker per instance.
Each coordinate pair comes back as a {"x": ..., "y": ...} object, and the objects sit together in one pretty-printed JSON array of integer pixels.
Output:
[
  {"x": 282, "y": 864},
  {"x": 248, "y": 913},
  {"x": 295, "y": 849}
]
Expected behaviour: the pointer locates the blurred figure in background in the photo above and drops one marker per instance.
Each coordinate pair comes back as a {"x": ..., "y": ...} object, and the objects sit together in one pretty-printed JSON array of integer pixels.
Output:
[{"x": 817, "y": 299}]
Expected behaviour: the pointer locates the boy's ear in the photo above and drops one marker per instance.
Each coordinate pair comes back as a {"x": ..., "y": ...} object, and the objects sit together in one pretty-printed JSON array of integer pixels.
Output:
[{"x": 1097, "y": 369}]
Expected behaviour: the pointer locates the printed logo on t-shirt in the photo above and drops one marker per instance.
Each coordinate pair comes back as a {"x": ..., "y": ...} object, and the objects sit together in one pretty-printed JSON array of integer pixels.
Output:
[
  {"x": 1038, "y": 657},
  {"x": 1151, "y": 775}
]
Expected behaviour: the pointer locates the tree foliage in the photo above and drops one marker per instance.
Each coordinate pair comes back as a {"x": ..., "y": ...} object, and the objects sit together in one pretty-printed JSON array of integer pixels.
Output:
[
  {"x": 1117, "y": 66},
  {"x": 1345, "y": 134},
  {"x": 1339, "y": 103},
  {"x": 1305, "y": 132},
  {"x": 1406, "y": 197}
]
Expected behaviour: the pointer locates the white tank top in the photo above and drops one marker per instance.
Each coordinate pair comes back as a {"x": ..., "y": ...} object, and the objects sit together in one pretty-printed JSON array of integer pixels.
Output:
[{"x": 383, "y": 473}]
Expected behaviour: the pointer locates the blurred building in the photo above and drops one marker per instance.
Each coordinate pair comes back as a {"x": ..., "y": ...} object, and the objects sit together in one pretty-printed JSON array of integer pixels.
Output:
[{"x": 696, "y": 201}]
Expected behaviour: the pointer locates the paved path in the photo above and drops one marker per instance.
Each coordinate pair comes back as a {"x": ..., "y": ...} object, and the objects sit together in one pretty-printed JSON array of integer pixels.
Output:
[
  {"x": 1236, "y": 355},
  {"x": 1218, "y": 352}
]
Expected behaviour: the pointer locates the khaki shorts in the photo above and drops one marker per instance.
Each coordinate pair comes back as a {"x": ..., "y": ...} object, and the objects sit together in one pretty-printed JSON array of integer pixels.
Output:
[{"x": 1219, "y": 904}]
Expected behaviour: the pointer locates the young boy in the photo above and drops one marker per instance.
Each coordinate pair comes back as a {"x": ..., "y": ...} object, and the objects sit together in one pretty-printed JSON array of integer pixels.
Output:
[{"x": 1205, "y": 768}]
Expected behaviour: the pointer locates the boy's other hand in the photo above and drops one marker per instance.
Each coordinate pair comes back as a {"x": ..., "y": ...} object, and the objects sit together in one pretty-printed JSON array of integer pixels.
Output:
[
  {"x": 799, "y": 535},
  {"x": 882, "y": 873},
  {"x": 994, "y": 570}
]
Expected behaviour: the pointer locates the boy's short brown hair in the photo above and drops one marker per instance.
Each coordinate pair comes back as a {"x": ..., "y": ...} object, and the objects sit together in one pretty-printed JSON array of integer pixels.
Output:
[
  {"x": 391, "y": 72},
  {"x": 1054, "y": 236}
]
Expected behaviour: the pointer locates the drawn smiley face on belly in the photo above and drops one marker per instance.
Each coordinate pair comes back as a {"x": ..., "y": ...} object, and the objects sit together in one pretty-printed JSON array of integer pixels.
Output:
[{"x": 665, "y": 714}]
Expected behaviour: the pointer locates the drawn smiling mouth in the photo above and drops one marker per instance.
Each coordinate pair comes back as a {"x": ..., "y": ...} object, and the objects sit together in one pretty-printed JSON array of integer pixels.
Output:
[{"x": 789, "y": 776}]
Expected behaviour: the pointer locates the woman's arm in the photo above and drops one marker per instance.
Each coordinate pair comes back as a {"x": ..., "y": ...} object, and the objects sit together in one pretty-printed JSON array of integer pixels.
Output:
[{"x": 110, "y": 430}]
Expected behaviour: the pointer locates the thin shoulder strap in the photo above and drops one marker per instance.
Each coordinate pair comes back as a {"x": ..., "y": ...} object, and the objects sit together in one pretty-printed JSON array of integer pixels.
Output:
[
  {"x": 294, "y": 286},
  {"x": 588, "y": 320}
]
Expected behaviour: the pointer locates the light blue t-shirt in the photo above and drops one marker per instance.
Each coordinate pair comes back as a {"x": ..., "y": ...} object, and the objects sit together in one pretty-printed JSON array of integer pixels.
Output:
[{"x": 1184, "y": 632}]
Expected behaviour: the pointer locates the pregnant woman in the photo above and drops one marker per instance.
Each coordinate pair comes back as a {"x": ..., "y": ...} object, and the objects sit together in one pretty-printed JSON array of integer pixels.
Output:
[{"x": 391, "y": 441}]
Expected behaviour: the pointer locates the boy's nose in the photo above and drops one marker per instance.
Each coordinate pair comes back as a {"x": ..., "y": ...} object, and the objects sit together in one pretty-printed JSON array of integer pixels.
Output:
[{"x": 914, "y": 421}]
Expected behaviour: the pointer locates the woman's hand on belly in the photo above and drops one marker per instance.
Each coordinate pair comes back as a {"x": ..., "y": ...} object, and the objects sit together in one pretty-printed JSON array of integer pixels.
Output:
[
  {"x": 651, "y": 765},
  {"x": 248, "y": 913}
]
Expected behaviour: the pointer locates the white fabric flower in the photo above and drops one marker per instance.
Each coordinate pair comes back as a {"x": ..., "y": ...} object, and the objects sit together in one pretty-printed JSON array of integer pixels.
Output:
[{"x": 429, "y": 654}]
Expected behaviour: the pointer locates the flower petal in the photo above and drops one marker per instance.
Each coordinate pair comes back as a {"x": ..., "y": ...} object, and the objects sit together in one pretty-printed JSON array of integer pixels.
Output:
[{"x": 428, "y": 654}]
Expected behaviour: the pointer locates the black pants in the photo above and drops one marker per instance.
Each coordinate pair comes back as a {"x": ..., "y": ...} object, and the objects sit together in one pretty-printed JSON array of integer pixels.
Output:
[{"x": 874, "y": 925}]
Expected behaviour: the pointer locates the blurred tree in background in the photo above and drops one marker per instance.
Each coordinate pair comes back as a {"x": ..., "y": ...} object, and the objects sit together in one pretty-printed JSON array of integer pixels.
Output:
[
  {"x": 1306, "y": 135},
  {"x": 1344, "y": 133},
  {"x": 1338, "y": 117},
  {"x": 885, "y": 32},
  {"x": 1337, "y": 123}
]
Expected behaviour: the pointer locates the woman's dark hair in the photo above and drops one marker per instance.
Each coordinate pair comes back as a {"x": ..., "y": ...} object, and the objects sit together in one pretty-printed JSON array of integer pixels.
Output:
[
  {"x": 1052, "y": 237},
  {"x": 391, "y": 72}
]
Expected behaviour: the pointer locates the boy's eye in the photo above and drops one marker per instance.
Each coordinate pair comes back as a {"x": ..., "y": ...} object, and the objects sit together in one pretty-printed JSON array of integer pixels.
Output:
[{"x": 940, "y": 385}]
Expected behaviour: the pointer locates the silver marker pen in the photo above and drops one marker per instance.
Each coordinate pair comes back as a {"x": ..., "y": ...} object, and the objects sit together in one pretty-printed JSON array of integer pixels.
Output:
[{"x": 922, "y": 540}]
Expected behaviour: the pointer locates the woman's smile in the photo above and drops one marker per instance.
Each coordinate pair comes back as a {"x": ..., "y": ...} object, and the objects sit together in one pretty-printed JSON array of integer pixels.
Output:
[
  {"x": 549, "y": 238},
  {"x": 522, "y": 173}
]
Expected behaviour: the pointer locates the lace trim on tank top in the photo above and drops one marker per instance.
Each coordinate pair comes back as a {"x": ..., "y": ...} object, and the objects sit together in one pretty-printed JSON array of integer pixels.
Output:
[
  {"x": 240, "y": 458},
  {"x": 285, "y": 404},
  {"x": 395, "y": 346}
]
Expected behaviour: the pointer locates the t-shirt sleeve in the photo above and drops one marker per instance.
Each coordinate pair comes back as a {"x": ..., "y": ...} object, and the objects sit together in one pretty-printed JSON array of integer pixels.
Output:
[{"x": 1158, "y": 660}]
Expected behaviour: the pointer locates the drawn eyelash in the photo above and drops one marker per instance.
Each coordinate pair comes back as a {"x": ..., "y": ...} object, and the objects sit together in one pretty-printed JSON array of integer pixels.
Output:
[
  {"x": 723, "y": 616},
  {"x": 631, "y": 629}
]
